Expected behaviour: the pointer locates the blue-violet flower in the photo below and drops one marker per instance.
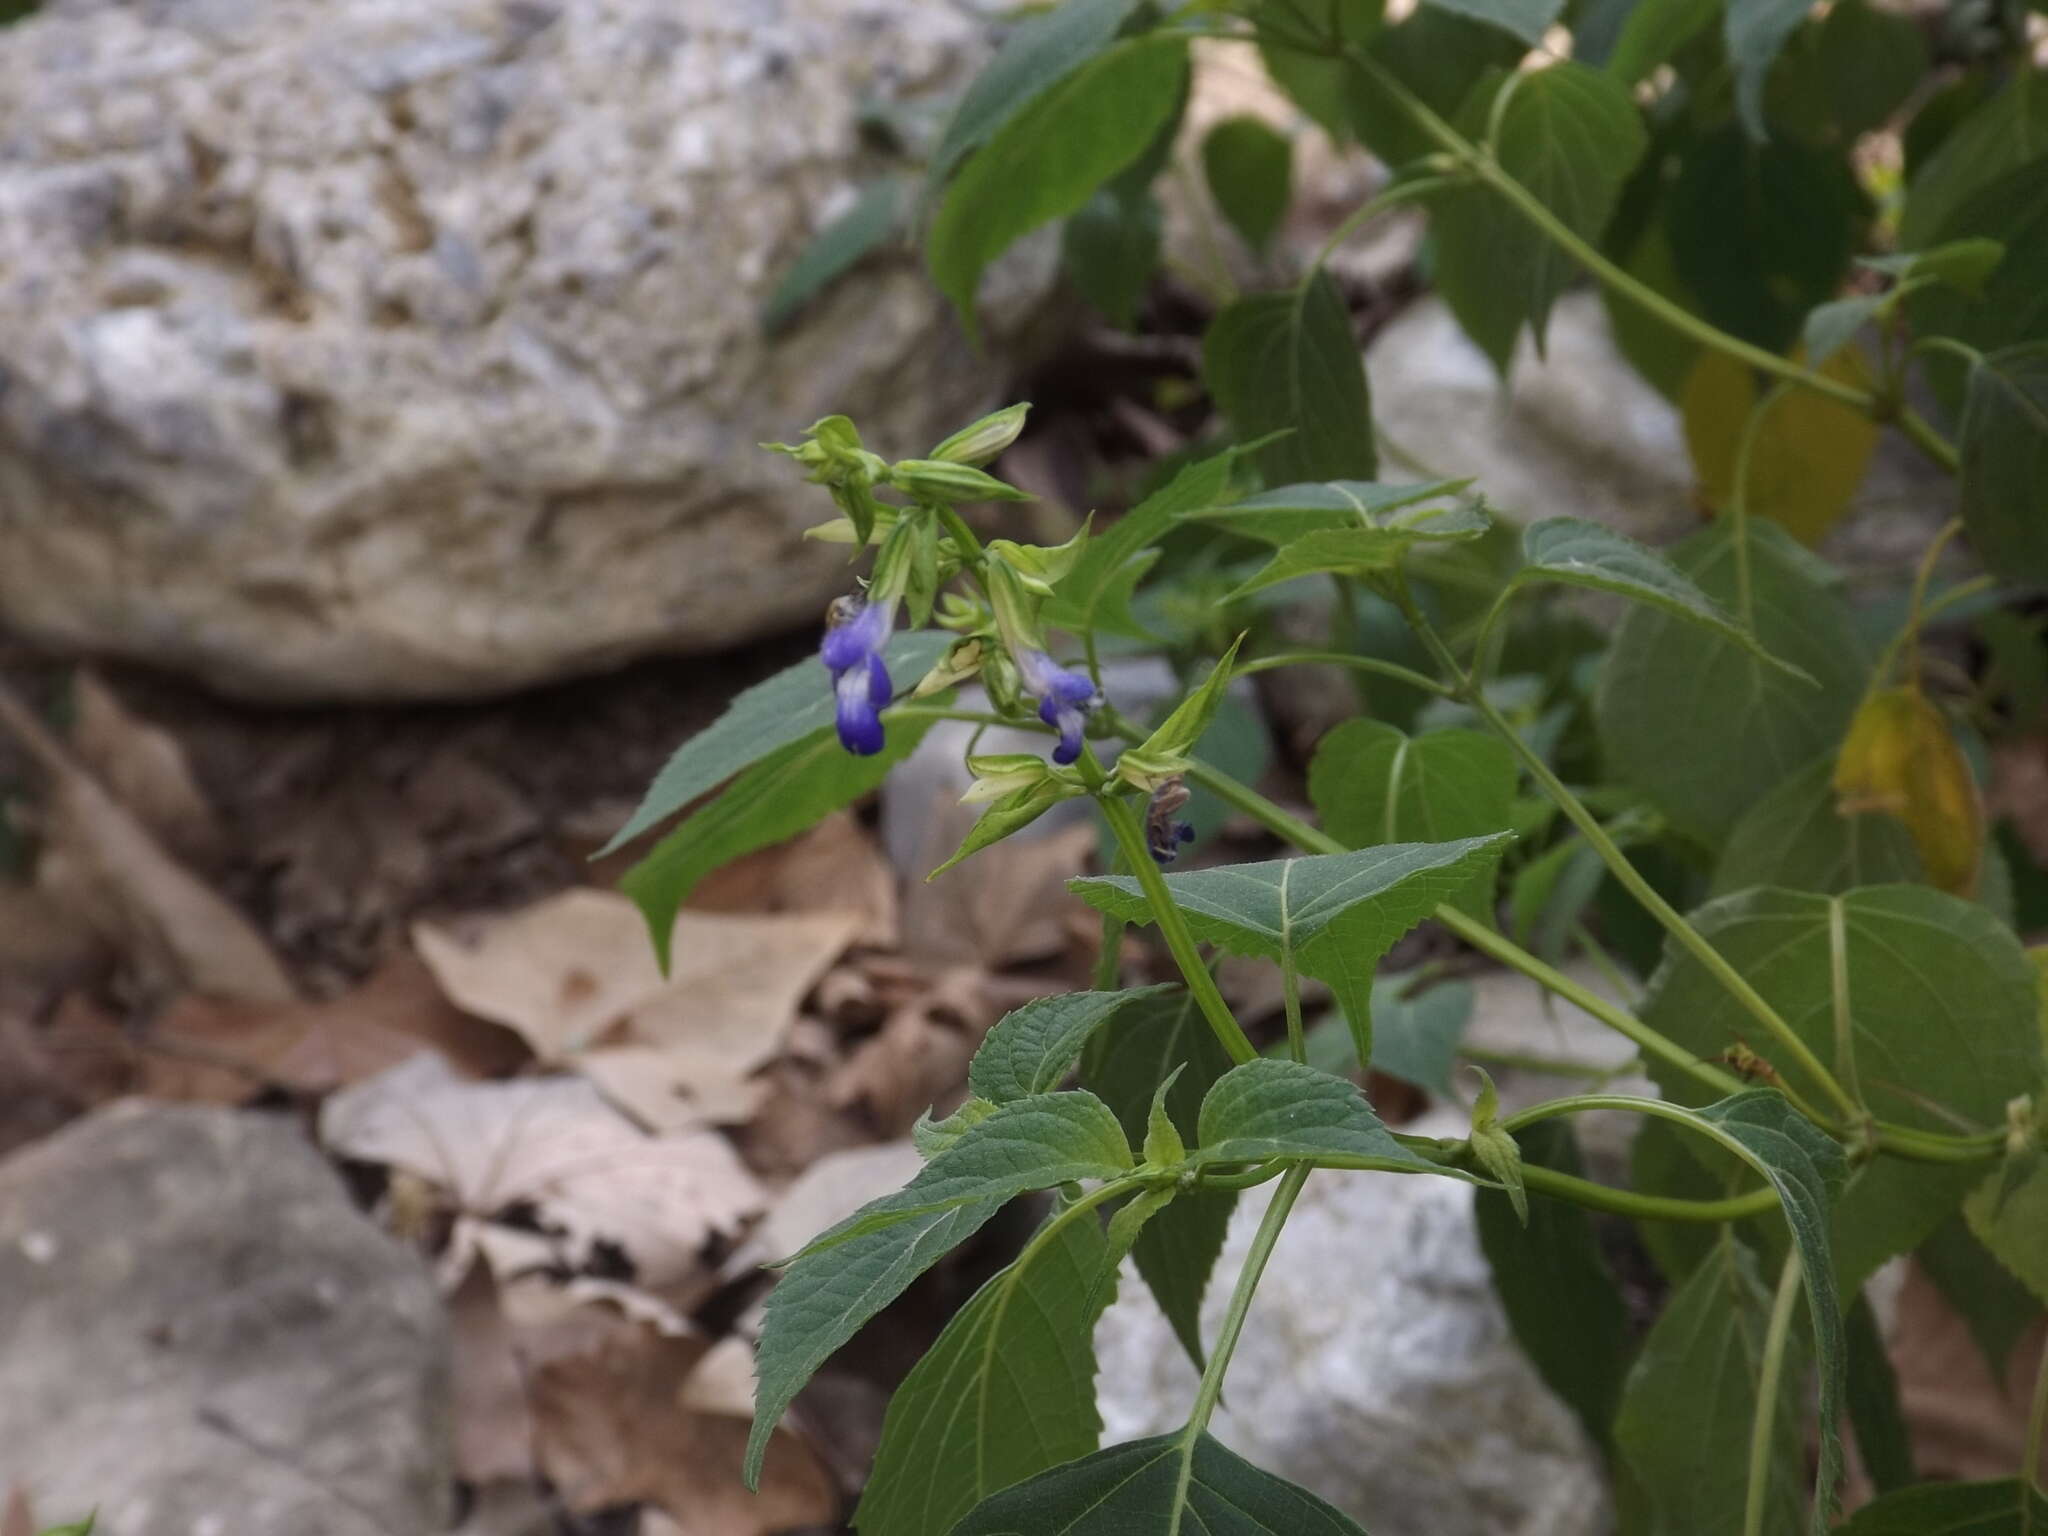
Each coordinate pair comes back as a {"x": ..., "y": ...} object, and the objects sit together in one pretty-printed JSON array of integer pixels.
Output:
[
  {"x": 1064, "y": 698},
  {"x": 856, "y": 634}
]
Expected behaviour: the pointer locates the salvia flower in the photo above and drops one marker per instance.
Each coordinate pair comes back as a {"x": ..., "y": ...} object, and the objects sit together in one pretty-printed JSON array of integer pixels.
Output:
[
  {"x": 856, "y": 634},
  {"x": 1064, "y": 698}
]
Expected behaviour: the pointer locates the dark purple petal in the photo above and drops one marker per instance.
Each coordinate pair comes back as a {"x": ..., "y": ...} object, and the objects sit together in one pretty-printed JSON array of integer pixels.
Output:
[
  {"x": 860, "y": 723},
  {"x": 865, "y": 634},
  {"x": 880, "y": 691},
  {"x": 1069, "y": 722}
]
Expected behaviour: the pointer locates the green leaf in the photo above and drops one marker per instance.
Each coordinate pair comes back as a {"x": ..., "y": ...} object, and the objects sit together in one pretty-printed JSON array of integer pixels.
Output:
[
  {"x": 1043, "y": 50},
  {"x": 1570, "y": 135},
  {"x": 1289, "y": 362},
  {"x": 1047, "y": 160},
  {"x": 1032, "y": 1049},
  {"x": 1175, "y": 736},
  {"x": 2006, "y": 1507},
  {"x": 1847, "y": 75},
  {"x": 1437, "y": 55},
  {"x": 1356, "y": 550},
  {"x": 794, "y": 704},
  {"x": 777, "y": 797},
  {"x": 1096, "y": 593},
  {"x": 1110, "y": 249},
  {"x": 1283, "y": 515},
  {"x": 81, "y": 1527},
  {"x": 1940, "y": 1008},
  {"x": 1154, "y": 1041},
  {"x": 1882, "y": 1439},
  {"x": 1247, "y": 164},
  {"x": 1526, "y": 19},
  {"x": 1139, "y": 1490},
  {"x": 2008, "y": 1212},
  {"x": 1413, "y": 1038},
  {"x": 1333, "y": 916},
  {"x": 874, "y": 218},
  {"x": 1560, "y": 1297},
  {"x": 1964, "y": 264},
  {"x": 1795, "y": 838},
  {"x": 2005, "y": 463},
  {"x": 1495, "y": 1149},
  {"x": 1315, "y": 81},
  {"x": 1653, "y": 32},
  {"x": 1370, "y": 783},
  {"x": 2012, "y": 307},
  {"x": 1755, "y": 31},
  {"x": 1998, "y": 138},
  {"x": 1686, "y": 1413},
  {"x": 1007, "y": 1391},
  {"x": 1578, "y": 553},
  {"x": 1704, "y": 768},
  {"x": 1268, "y": 1108},
  {"x": 1983, "y": 1292},
  {"x": 1830, "y": 327},
  {"x": 820, "y": 1303}
]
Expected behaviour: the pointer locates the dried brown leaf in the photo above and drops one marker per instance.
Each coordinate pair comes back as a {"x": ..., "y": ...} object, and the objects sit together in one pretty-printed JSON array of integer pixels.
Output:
[
  {"x": 834, "y": 867},
  {"x": 493, "y": 1428},
  {"x": 1007, "y": 905},
  {"x": 144, "y": 768}
]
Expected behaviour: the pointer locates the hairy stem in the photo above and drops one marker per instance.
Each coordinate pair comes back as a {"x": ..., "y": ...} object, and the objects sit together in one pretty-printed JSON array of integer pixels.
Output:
[{"x": 1776, "y": 1337}]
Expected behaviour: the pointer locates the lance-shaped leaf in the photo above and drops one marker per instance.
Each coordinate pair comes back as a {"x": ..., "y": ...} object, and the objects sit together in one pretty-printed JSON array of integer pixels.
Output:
[
  {"x": 1269, "y": 1108},
  {"x": 2005, "y": 463},
  {"x": 2005, "y": 1507},
  {"x": 1032, "y": 1049},
  {"x": 2008, "y": 1212},
  {"x": 875, "y": 218},
  {"x": 1157, "y": 1486},
  {"x": 1579, "y": 553},
  {"x": 1931, "y": 996},
  {"x": 1359, "y": 549},
  {"x": 1006, "y": 1392},
  {"x": 1288, "y": 362},
  {"x": 1332, "y": 915},
  {"x": 795, "y": 703},
  {"x": 821, "y": 1302},
  {"x": 1096, "y": 593},
  {"x": 1283, "y": 515}
]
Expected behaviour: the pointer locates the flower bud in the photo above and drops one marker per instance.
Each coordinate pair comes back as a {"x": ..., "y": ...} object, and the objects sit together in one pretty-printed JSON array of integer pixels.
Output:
[
  {"x": 936, "y": 480},
  {"x": 985, "y": 439}
]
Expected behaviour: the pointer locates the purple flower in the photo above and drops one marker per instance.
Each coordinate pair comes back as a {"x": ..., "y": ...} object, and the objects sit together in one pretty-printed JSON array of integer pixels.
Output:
[
  {"x": 1064, "y": 699},
  {"x": 856, "y": 635}
]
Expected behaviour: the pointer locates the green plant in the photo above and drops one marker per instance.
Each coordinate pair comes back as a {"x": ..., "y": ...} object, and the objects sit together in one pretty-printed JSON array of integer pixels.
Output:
[{"x": 1771, "y": 821}]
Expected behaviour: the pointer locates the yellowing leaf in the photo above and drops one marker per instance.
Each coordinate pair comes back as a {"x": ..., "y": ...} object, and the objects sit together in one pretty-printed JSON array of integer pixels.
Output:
[
  {"x": 1809, "y": 455},
  {"x": 1900, "y": 758}
]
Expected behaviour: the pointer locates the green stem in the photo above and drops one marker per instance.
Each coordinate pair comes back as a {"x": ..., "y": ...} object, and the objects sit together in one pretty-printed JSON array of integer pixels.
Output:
[
  {"x": 1626, "y": 1202},
  {"x": 1373, "y": 664},
  {"x": 972, "y": 717},
  {"x": 1776, "y": 1337},
  {"x": 1211, "y": 1390},
  {"x": 1290, "y": 997},
  {"x": 1249, "y": 1178},
  {"x": 1382, "y": 202},
  {"x": 971, "y": 552},
  {"x": 1173, "y": 927}
]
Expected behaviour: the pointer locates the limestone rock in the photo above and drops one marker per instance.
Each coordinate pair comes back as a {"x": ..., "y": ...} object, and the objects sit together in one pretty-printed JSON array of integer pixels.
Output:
[
  {"x": 365, "y": 348},
  {"x": 198, "y": 1332},
  {"x": 1376, "y": 1368}
]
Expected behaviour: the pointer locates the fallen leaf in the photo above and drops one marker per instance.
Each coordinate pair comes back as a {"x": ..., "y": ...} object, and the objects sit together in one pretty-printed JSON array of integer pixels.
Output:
[
  {"x": 487, "y": 1387},
  {"x": 576, "y": 977},
  {"x": 799, "y": 1121},
  {"x": 834, "y": 867},
  {"x": 1007, "y": 905},
  {"x": 920, "y": 1053},
  {"x": 144, "y": 768},
  {"x": 614, "y": 1201},
  {"x": 614, "y": 1426},
  {"x": 832, "y": 1188}
]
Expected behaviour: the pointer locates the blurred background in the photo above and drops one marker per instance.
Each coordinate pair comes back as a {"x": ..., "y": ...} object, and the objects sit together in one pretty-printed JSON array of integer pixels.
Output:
[{"x": 380, "y": 505}]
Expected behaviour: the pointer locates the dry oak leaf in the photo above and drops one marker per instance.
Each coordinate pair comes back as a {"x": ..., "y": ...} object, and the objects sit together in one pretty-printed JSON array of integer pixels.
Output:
[
  {"x": 576, "y": 976},
  {"x": 834, "y": 867},
  {"x": 144, "y": 768},
  {"x": 577, "y": 1170}
]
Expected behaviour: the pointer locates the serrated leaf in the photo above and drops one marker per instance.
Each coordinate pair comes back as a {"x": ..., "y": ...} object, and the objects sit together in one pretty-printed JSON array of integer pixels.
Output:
[
  {"x": 1940, "y": 1009},
  {"x": 1705, "y": 767},
  {"x": 1282, "y": 515},
  {"x": 795, "y": 703},
  {"x": 1288, "y": 362},
  {"x": 1267, "y": 1109},
  {"x": 1980, "y": 1290},
  {"x": 1247, "y": 165},
  {"x": 931, "y": 1137},
  {"x": 875, "y": 217},
  {"x": 2006, "y": 1507},
  {"x": 1332, "y": 916},
  {"x": 1558, "y": 1293},
  {"x": 1007, "y": 1391},
  {"x": 1109, "y": 249},
  {"x": 1798, "y": 838},
  {"x": 1164, "y": 1145},
  {"x": 1526, "y": 19},
  {"x": 1048, "y": 159},
  {"x": 1042, "y": 51},
  {"x": 1096, "y": 593},
  {"x": 819, "y": 1304},
  {"x": 1355, "y": 551},
  {"x": 1032, "y": 1049},
  {"x": 1579, "y": 553},
  {"x": 1166, "y": 1038},
  {"x": 1685, "y": 1417},
  {"x": 1371, "y": 783},
  {"x": 1155, "y": 1487},
  {"x": 2004, "y": 445},
  {"x": 2008, "y": 1213},
  {"x": 777, "y": 797},
  {"x": 1570, "y": 135}
]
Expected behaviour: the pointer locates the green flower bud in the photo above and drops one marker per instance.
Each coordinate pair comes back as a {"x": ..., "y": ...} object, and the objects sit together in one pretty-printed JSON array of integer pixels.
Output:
[
  {"x": 938, "y": 481},
  {"x": 985, "y": 439}
]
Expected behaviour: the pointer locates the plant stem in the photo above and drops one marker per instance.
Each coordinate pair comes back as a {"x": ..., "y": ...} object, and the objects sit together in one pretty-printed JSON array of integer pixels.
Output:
[
  {"x": 1775, "y": 1339},
  {"x": 1373, "y": 664},
  {"x": 1384, "y": 201},
  {"x": 971, "y": 553},
  {"x": 1211, "y": 1389},
  {"x": 1290, "y": 997},
  {"x": 1626, "y": 1202},
  {"x": 1173, "y": 927}
]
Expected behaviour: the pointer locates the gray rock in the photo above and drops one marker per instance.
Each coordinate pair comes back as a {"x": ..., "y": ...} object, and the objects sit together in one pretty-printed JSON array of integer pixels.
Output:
[
  {"x": 1376, "y": 1368},
  {"x": 364, "y": 348},
  {"x": 200, "y": 1335}
]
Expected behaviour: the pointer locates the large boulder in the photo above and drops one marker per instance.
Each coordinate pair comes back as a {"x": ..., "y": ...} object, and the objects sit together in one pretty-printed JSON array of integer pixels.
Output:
[
  {"x": 367, "y": 348},
  {"x": 198, "y": 1332}
]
